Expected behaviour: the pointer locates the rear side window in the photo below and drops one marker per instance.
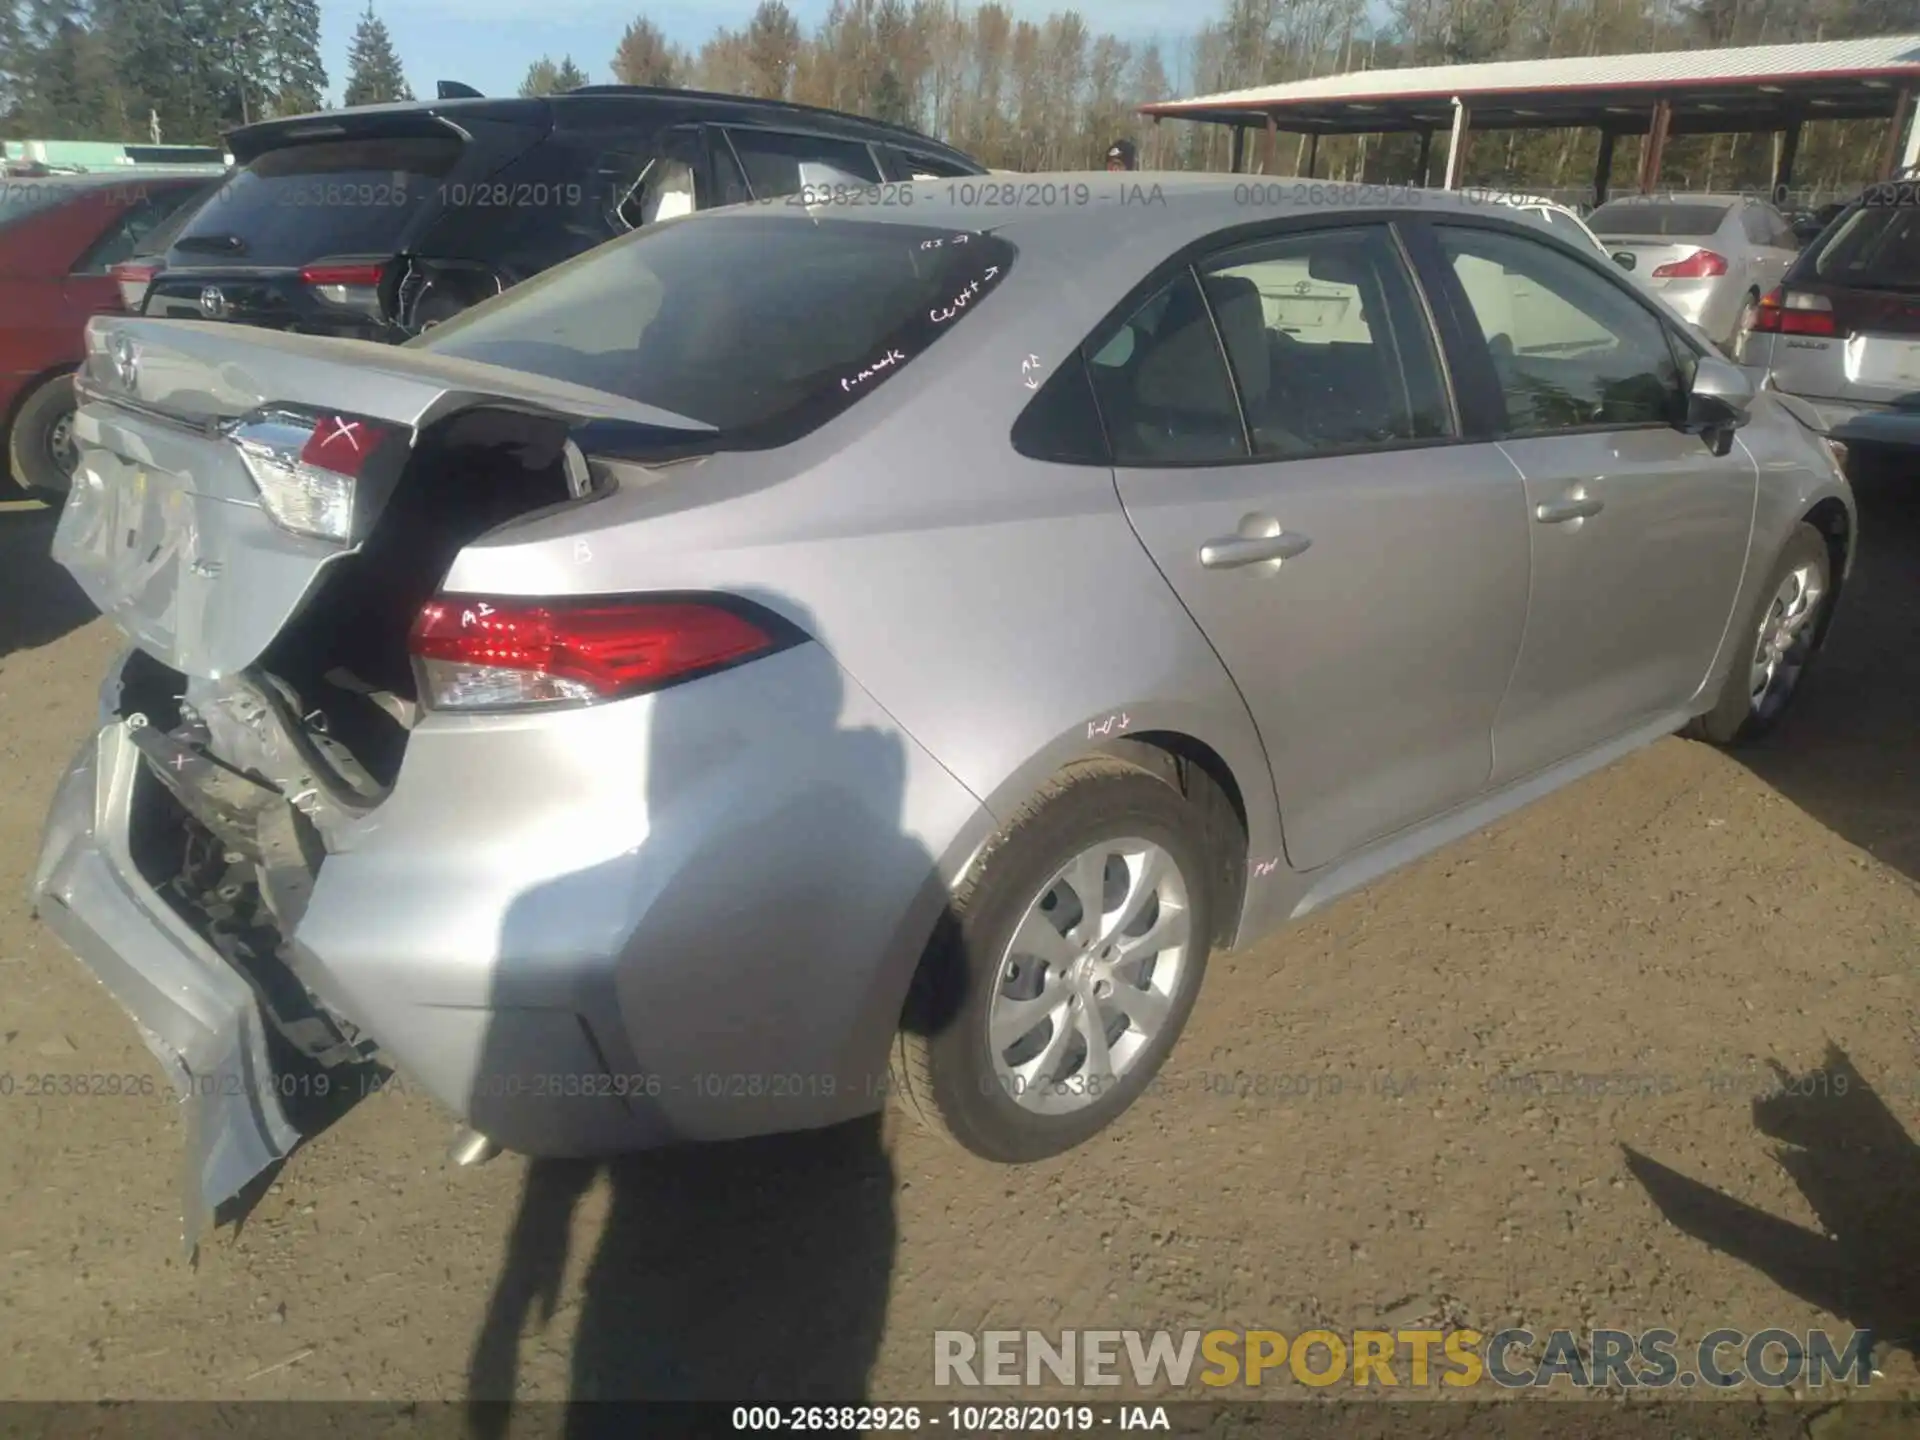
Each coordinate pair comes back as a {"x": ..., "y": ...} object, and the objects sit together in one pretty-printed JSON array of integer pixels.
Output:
[
  {"x": 1653, "y": 219},
  {"x": 918, "y": 165},
  {"x": 332, "y": 197},
  {"x": 1875, "y": 249},
  {"x": 761, "y": 324},
  {"x": 778, "y": 163},
  {"x": 1163, "y": 386}
]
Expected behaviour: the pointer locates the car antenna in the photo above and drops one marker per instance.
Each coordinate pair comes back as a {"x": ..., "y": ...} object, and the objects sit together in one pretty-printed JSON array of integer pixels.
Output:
[{"x": 454, "y": 90}]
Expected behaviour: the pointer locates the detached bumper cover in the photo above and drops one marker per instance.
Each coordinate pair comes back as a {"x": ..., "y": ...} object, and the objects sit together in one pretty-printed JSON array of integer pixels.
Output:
[{"x": 197, "y": 1015}]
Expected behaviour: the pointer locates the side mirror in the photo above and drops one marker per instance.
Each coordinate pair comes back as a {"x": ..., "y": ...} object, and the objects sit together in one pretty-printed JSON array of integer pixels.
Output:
[
  {"x": 1719, "y": 401},
  {"x": 1624, "y": 259}
]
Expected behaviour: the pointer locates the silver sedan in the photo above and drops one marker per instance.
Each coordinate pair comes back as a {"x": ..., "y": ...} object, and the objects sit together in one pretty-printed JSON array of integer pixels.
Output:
[
  {"x": 802, "y": 654},
  {"x": 1711, "y": 257}
]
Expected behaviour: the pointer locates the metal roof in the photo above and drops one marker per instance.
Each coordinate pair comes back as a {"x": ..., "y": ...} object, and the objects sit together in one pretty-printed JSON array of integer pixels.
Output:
[{"x": 1748, "y": 86}]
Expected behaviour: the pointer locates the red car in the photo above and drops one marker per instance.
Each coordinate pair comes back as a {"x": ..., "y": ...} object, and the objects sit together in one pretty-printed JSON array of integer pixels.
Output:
[{"x": 58, "y": 237}]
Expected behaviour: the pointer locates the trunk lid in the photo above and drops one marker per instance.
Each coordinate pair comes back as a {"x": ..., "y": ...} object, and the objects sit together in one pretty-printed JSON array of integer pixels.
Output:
[
  {"x": 167, "y": 528},
  {"x": 1649, "y": 255}
]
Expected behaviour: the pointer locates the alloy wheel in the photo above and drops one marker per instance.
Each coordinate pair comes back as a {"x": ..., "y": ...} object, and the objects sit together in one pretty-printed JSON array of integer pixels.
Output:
[
  {"x": 1785, "y": 642},
  {"x": 1090, "y": 977}
]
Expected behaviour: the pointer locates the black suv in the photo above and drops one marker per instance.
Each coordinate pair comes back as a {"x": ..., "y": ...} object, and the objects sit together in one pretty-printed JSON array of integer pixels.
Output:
[{"x": 378, "y": 221}]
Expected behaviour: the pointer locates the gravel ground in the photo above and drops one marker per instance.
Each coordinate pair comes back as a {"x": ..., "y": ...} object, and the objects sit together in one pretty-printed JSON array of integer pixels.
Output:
[{"x": 1686, "y": 916}]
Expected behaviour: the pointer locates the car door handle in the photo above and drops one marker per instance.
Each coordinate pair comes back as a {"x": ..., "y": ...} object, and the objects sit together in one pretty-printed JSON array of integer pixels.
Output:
[
  {"x": 1573, "y": 507},
  {"x": 1232, "y": 551}
]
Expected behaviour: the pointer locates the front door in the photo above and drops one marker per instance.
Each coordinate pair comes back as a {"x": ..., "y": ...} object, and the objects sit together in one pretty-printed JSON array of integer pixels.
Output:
[
  {"x": 1287, "y": 450},
  {"x": 1639, "y": 531}
]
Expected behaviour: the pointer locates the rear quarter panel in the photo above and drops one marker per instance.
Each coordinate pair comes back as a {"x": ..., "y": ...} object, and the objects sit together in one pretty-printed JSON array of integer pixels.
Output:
[{"x": 1000, "y": 609}]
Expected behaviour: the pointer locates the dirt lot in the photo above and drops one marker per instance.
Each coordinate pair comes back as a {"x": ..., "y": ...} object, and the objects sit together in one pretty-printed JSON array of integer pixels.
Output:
[{"x": 1685, "y": 916}]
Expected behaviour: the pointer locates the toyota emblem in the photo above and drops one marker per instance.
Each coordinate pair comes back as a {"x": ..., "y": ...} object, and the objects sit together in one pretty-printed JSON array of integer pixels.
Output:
[
  {"x": 126, "y": 361},
  {"x": 213, "y": 303}
]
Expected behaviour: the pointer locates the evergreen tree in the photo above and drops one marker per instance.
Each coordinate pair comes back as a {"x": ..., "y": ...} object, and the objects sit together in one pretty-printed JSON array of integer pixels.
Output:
[
  {"x": 374, "y": 76},
  {"x": 546, "y": 78},
  {"x": 646, "y": 58},
  {"x": 296, "y": 78}
]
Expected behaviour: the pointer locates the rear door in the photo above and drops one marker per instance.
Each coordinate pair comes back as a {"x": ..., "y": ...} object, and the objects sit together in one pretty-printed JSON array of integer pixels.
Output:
[
  {"x": 1359, "y": 567},
  {"x": 1639, "y": 533}
]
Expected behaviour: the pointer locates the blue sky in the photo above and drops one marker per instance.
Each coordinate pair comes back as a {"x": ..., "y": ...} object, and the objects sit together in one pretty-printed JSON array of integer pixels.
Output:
[{"x": 490, "y": 43}]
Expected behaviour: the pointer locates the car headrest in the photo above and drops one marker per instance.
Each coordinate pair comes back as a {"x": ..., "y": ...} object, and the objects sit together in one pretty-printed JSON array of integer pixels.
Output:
[
  {"x": 1182, "y": 371},
  {"x": 1243, "y": 326}
]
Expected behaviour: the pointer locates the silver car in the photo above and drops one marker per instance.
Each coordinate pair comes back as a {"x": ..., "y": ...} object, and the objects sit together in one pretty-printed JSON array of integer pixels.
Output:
[
  {"x": 800, "y": 654},
  {"x": 1711, "y": 257},
  {"x": 1840, "y": 338}
]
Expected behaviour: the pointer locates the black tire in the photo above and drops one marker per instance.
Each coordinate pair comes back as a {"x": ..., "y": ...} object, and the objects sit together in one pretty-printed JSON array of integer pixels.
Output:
[
  {"x": 1743, "y": 323},
  {"x": 943, "y": 1064},
  {"x": 1735, "y": 718},
  {"x": 31, "y": 445}
]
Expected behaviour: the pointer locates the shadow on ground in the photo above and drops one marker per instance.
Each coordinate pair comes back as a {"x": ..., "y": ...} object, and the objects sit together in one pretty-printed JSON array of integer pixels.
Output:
[
  {"x": 39, "y": 601},
  {"x": 1848, "y": 752},
  {"x": 1860, "y": 1173}
]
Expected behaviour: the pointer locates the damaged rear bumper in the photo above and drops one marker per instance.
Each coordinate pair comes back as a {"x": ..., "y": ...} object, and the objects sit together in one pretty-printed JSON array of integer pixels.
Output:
[{"x": 198, "y": 1015}]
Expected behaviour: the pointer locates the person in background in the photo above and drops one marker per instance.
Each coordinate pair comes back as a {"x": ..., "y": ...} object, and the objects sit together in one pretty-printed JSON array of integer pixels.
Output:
[{"x": 1120, "y": 155}]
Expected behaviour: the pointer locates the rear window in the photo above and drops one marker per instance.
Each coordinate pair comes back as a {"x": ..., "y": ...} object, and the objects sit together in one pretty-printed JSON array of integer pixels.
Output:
[
  {"x": 333, "y": 197},
  {"x": 758, "y": 324},
  {"x": 1875, "y": 249},
  {"x": 1655, "y": 218}
]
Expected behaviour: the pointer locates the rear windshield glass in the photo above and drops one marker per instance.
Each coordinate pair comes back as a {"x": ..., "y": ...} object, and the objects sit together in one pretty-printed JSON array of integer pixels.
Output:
[
  {"x": 333, "y": 197},
  {"x": 758, "y": 324},
  {"x": 1654, "y": 217},
  {"x": 1876, "y": 249}
]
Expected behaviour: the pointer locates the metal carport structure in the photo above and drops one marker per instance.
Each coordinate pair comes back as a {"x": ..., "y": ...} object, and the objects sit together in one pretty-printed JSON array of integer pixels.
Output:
[{"x": 1744, "y": 89}]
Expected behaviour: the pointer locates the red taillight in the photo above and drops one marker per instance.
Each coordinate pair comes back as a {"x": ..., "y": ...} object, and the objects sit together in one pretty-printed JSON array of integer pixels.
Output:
[
  {"x": 356, "y": 274},
  {"x": 1701, "y": 265},
  {"x": 494, "y": 653},
  {"x": 341, "y": 445},
  {"x": 1794, "y": 312},
  {"x": 133, "y": 280}
]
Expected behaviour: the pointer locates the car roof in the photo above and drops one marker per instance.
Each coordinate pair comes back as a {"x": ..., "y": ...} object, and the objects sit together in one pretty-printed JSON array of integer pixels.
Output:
[
  {"x": 1085, "y": 216},
  {"x": 548, "y": 110}
]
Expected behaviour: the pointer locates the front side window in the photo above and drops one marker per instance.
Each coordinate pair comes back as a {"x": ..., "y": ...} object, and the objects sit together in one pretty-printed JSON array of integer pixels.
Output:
[
  {"x": 1570, "y": 349},
  {"x": 1328, "y": 343},
  {"x": 761, "y": 323},
  {"x": 1162, "y": 384}
]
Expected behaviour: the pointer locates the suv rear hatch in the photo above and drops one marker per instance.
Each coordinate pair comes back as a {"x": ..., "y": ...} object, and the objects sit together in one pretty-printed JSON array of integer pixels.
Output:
[
  {"x": 300, "y": 238},
  {"x": 1845, "y": 323}
]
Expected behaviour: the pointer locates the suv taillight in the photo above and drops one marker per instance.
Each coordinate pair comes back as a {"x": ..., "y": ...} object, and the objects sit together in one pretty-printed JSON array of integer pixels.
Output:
[
  {"x": 133, "y": 278},
  {"x": 1701, "y": 265},
  {"x": 353, "y": 285},
  {"x": 474, "y": 652},
  {"x": 307, "y": 465},
  {"x": 1795, "y": 312}
]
